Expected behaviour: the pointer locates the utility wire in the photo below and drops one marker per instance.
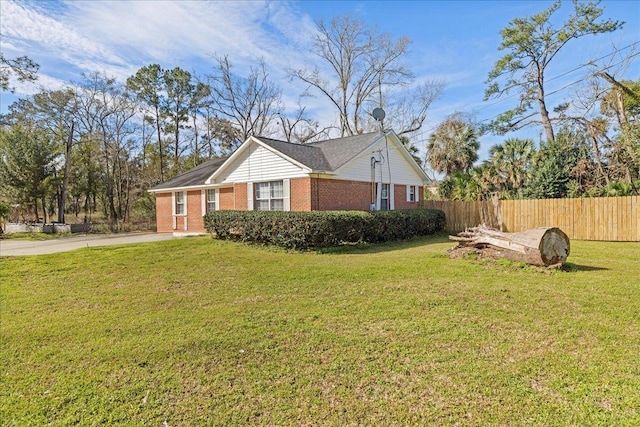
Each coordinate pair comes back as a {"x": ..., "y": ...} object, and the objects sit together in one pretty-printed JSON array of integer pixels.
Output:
[{"x": 505, "y": 98}]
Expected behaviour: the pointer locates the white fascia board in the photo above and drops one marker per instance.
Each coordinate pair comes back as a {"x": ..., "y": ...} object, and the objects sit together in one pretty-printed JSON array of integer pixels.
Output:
[
  {"x": 367, "y": 148},
  {"x": 245, "y": 146},
  {"x": 408, "y": 157},
  {"x": 231, "y": 159},
  {"x": 190, "y": 188},
  {"x": 305, "y": 168}
]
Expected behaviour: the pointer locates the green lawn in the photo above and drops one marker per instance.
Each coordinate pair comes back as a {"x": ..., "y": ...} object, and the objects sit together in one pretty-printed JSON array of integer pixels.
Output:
[{"x": 201, "y": 332}]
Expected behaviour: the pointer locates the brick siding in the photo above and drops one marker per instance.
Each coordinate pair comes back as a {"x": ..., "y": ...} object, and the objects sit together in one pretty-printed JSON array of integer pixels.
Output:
[
  {"x": 335, "y": 194},
  {"x": 400, "y": 194},
  {"x": 306, "y": 194},
  {"x": 226, "y": 199},
  {"x": 240, "y": 196},
  {"x": 164, "y": 221},
  {"x": 300, "y": 194}
]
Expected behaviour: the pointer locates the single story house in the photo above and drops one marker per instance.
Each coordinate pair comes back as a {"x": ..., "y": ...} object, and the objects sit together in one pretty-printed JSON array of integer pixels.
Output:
[{"x": 361, "y": 172}]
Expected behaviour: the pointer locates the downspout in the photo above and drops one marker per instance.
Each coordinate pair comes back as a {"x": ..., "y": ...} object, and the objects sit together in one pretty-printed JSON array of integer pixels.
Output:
[{"x": 372, "y": 205}]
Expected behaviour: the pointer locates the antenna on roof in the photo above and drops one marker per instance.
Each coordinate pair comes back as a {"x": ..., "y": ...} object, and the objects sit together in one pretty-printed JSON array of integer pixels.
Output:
[{"x": 379, "y": 114}]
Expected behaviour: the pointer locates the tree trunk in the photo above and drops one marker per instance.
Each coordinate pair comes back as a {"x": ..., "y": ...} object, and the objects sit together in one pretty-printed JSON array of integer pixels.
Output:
[
  {"x": 67, "y": 170},
  {"x": 160, "y": 148},
  {"x": 544, "y": 115},
  {"x": 596, "y": 149},
  {"x": 538, "y": 246}
]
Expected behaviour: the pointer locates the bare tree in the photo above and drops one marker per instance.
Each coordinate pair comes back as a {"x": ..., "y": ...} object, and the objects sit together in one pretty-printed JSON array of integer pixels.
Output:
[
  {"x": 106, "y": 112},
  {"x": 408, "y": 113},
  {"x": 56, "y": 110},
  {"x": 599, "y": 107},
  {"x": 300, "y": 129},
  {"x": 361, "y": 68},
  {"x": 250, "y": 103}
]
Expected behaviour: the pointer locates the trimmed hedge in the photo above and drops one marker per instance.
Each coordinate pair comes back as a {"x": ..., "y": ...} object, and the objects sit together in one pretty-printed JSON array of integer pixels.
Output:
[{"x": 320, "y": 229}]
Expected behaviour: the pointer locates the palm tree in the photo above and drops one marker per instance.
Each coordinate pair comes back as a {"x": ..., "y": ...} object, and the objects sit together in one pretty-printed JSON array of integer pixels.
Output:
[
  {"x": 453, "y": 147},
  {"x": 512, "y": 160}
]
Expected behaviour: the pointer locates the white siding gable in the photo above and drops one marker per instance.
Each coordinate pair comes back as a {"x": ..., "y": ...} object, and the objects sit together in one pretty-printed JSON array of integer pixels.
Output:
[
  {"x": 402, "y": 172},
  {"x": 258, "y": 163}
]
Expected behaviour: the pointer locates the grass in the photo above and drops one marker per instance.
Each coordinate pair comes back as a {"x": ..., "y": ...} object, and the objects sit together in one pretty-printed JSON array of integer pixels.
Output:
[{"x": 194, "y": 332}]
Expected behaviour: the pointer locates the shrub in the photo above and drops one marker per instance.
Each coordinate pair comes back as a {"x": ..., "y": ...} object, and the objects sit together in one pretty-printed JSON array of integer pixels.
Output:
[
  {"x": 5, "y": 209},
  {"x": 320, "y": 229}
]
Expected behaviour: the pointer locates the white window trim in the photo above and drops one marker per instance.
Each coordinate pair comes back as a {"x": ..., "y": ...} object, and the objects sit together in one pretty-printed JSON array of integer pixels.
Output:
[
  {"x": 390, "y": 196},
  {"x": 205, "y": 200},
  {"x": 286, "y": 194},
  {"x": 415, "y": 193},
  {"x": 250, "y": 196},
  {"x": 174, "y": 198},
  {"x": 174, "y": 215}
]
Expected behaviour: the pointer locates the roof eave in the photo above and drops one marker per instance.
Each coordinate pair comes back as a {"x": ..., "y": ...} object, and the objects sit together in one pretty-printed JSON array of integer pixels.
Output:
[
  {"x": 187, "y": 188},
  {"x": 375, "y": 141},
  {"x": 304, "y": 167},
  {"x": 230, "y": 160}
]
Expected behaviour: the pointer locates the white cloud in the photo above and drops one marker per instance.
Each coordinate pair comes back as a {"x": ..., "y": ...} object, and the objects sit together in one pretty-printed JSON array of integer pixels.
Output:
[
  {"x": 171, "y": 32},
  {"x": 27, "y": 26}
]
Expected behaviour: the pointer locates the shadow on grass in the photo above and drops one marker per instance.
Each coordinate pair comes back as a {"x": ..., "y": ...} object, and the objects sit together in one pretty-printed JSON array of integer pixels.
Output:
[
  {"x": 373, "y": 248},
  {"x": 571, "y": 267}
]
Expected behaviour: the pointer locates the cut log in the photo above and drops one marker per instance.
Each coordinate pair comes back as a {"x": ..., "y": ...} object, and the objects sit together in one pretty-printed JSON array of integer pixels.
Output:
[{"x": 537, "y": 246}]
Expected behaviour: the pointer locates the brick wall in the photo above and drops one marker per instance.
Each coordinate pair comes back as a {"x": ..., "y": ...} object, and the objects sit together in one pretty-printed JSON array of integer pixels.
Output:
[
  {"x": 300, "y": 194},
  {"x": 400, "y": 194},
  {"x": 306, "y": 194},
  {"x": 226, "y": 199},
  {"x": 195, "y": 224},
  {"x": 240, "y": 196},
  {"x": 164, "y": 221},
  {"x": 193, "y": 220},
  {"x": 334, "y": 194}
]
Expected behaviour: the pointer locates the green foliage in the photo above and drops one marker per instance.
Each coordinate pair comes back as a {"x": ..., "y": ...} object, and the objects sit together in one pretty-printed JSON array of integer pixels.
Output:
[
  {"x": 549, "y": 175},
  {"x": 574, "y": 190},
  {"x": 512, "y": 160},
  {"x": 461, "y": 186},
  {"x": 552, "y": 165},
  {"x": 613, "y": 189},
  {"x": 618, "y": 188},
  {"x": 5, "y": 211},
  {"x": 27, "y": 159},
  {"x": 629, "y": 91},
  {"x": 531, "y": 43},
  {"x": 22, "y": 68},
  {"x": 453, "y": 147},
  {"x": 629, "y": 150},
  {"x": 321, "y": 229}
]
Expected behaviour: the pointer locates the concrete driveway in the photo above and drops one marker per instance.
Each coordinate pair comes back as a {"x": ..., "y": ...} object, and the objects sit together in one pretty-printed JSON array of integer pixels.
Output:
[{"x": 12, "y": 247}]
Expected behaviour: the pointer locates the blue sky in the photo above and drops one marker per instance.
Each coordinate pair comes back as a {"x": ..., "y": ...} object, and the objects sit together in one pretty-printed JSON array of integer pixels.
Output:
[{"x": 455, "y": 42}]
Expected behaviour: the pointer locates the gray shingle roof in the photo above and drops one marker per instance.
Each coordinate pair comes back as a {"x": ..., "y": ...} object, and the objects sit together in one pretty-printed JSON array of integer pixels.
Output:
[
  {"x": 193, "y": 177},
  {"x": 306, "y": 154},
  {"x": 340, "y": 150},
  {"x": 325, "y": 156}
]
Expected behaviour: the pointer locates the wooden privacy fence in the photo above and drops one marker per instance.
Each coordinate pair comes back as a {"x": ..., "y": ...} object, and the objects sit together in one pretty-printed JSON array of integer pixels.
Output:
[{"x": 603, "y": 218}]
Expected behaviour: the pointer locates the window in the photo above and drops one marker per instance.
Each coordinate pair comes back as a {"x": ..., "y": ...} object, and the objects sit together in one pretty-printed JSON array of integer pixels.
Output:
[
  {"x": 180, "y": 203},
  {"x": 411, "y": 193},
  {"x": 212, "y": 200},
  {"x": 384, "y": 198},
  {"x": 269, "y": 196}
]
